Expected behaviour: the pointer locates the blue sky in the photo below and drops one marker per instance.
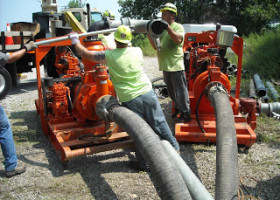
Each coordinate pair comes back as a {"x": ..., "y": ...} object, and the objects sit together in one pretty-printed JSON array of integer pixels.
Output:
[{"x": 21, "y": 10}]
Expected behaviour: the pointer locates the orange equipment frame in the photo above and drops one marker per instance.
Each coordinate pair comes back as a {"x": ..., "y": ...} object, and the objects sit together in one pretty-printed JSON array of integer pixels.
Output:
[
  {"x": 64, "y": 134},
  {"x": 191, "y": 131}
]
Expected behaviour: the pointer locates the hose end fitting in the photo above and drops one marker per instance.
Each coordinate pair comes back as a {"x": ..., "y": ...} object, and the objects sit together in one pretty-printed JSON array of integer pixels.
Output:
[
  {"x": 104, "y": 106},
  {"x": 214, "y": 87}
]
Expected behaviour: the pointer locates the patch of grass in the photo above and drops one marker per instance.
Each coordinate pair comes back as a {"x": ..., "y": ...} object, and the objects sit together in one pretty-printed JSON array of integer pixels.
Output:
[
  {"x": 7, "y": 196},
  {"x": 142, "y": 41},
  {"x": 268, "y": 130},
  {"x": 261, "y": 54}
]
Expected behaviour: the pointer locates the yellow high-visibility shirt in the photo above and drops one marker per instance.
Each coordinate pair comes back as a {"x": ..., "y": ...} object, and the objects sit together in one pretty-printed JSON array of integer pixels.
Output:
[
  {"x": 126, "y": 71},
  {"x": 171, "y": 56}
]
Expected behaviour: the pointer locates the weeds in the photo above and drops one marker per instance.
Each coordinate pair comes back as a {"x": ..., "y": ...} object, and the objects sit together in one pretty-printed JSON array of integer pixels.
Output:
[
  {"x": 142, "y": 41},
  {"x": 261, "y": 54}
]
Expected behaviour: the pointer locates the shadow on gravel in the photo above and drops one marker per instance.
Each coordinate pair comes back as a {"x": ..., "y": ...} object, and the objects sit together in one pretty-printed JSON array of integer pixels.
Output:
[
  {"x": 257, "y": 189},
  {"x": 95, "y": 170},
  {"x": 92, "y": 168},
  {"x": 23, "y": 87}
]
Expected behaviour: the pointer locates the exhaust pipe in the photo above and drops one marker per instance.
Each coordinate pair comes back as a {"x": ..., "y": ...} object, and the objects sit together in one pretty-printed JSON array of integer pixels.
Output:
[{"x": 88, "y": 15}]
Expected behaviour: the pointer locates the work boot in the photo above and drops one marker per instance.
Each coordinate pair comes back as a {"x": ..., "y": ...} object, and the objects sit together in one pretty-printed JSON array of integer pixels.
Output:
[
  {"x": 19, "y": 169},
  {"x": 182, "y": 118},
  {"x": 176, "y": 112}
]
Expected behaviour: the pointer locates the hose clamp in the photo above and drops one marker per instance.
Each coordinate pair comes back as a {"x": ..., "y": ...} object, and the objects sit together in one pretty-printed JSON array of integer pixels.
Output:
[{"x": 214, "y": 87}]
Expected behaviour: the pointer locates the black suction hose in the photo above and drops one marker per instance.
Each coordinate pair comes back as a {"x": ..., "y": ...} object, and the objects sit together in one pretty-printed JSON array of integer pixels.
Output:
[
  {"x": 167, "y": 178},
  {"x": 226, "y": 156}
]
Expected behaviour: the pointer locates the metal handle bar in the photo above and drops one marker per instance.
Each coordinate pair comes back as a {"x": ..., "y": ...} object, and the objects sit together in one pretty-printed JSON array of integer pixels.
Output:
[{"x": 80, "y": 35}]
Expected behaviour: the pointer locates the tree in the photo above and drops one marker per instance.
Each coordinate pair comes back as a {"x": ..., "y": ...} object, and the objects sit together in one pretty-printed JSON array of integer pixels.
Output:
[
  {"x": 76, "y": 4},
  {"x": 247, "y": 15},
  {"x": 257, "y": 14}
]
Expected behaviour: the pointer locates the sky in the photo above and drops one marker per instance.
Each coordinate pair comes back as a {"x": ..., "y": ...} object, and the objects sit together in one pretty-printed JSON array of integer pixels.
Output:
[{"x": 21, "y": 10}]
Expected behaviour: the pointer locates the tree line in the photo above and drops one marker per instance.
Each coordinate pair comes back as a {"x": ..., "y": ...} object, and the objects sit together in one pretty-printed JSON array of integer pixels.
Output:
[{"x": 248, "y": 16}]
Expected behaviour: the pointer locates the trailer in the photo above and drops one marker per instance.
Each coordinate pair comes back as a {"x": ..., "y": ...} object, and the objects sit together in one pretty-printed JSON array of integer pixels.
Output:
[
  {"x": 46, "y": 24},
  {"x": 11, "y": 41}
]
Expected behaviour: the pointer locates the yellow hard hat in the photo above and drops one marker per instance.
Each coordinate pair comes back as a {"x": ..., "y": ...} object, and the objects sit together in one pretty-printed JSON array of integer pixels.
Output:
[
  {"x": 169, "y": 6},
  {"x": 123, "y": 34},
  {"x": 110, "y": 14}
]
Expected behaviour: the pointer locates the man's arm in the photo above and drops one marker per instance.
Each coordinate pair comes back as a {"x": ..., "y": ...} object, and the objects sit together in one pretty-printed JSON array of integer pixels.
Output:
[
  {"x": 151, "y": 39},
  {"x": 177, "y": 38},
  {"x": 13, "y": 57},
  {"x": 96, "y": 56}
]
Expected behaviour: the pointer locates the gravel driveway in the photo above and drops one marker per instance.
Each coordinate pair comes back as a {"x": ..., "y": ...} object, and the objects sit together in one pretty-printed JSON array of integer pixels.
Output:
[{"x": 107, "y": 175}]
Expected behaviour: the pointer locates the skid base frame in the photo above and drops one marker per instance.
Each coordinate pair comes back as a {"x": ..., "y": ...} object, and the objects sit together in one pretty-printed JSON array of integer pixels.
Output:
[
  {"x": 79, "y": 138},
  {"x": 191, "y": 132}
]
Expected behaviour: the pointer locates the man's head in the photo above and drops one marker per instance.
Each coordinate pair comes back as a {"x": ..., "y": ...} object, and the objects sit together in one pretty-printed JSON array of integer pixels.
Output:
[
  {"x": 110, "y": 14},
  {"x": 169, "y": 12},
  {"x": 123, "y": 34}
]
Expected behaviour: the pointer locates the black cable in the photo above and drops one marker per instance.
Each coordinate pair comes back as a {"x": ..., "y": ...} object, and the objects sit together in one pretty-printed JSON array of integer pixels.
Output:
[{"x": 196, "y": 111}]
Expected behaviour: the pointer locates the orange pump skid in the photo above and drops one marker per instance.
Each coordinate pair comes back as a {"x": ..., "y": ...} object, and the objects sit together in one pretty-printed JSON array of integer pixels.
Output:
[
  {"x": 80, "y": 132},
  {"x": 190, "y": 132},
  {"x": 197, "y": 85}
]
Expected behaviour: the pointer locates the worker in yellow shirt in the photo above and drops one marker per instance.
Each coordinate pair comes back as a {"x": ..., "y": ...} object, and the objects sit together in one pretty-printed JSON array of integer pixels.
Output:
[
  {"x": 133, "y": 88},
  {"x": 171, "y": 62}
]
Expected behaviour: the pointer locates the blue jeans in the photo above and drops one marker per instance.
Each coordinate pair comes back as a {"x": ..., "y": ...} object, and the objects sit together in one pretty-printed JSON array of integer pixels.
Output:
[
  {"x": 147, "y": 107},
  {"x": 7, "y": 142}
]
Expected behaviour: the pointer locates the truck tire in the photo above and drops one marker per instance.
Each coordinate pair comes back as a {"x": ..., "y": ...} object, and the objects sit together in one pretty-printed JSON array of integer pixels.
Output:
[
  {"x": 5, "y": 82},
  {"x": 12, "y": 69}
]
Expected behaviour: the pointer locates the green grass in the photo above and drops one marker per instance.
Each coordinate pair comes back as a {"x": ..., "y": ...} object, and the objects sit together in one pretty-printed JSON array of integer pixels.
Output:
[
  {"x": 142, "y": 41},
  {"x": 268, "y": 130},
  {"x": 261, "y": 54}
]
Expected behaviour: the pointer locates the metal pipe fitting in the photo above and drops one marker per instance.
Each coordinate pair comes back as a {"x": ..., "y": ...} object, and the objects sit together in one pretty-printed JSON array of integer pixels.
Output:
[
  {"x": 270, "y": 108},
  {"x": 104, "y": 104},
  {"x": 214, "y": 87},
  {"x": 265, "y": 98}
]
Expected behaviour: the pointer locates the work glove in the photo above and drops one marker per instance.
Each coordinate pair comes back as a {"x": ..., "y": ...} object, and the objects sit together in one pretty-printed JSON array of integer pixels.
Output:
[
  {"x": 30, "y": 46},
  {"x": 163, "y": 24},
  {"x": 74, "y": 38},
  {"x": 3, "y": 60}
]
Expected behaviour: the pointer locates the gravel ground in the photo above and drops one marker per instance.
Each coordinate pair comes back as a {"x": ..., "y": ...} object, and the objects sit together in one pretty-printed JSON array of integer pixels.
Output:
[{"x": 107, "y": 175}]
